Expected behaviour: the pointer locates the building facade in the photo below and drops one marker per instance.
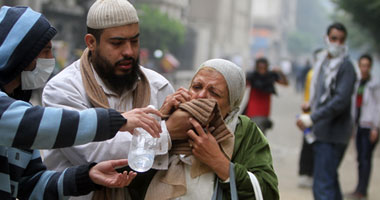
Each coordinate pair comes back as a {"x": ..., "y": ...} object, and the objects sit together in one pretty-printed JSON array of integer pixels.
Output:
[
  {"x": 272, "y": 21},
  {"x": 222, "y": 30}
]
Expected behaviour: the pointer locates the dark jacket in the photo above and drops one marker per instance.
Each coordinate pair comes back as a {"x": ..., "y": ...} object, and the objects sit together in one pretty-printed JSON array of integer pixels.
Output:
[
  {"x": 25, "y": 128},
  {"x": 332, "y": 120},
  {"x": 252, "y": 153}
]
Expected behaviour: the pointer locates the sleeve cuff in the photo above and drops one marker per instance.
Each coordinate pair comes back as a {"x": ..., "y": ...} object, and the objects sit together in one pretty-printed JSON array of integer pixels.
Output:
[
  {"x": 116, "y": 121},
  {"x": 166, "y": 134},
  {"x": 83, "y": 180},
  {"x": 164, "y": 143}
]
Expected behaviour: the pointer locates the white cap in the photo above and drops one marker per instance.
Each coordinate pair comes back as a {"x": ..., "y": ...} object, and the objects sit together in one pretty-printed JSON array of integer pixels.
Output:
[{"x": 111, "y": 13}]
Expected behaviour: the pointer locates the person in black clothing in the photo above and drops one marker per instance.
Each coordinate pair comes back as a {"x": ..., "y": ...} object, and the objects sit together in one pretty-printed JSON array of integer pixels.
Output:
[{"x": 262, "y": 81}]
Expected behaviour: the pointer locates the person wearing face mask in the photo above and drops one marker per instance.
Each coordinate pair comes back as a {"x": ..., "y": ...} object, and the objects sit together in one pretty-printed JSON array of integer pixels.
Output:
[
  {"x": 37, "y": 78},
  {"x": 26, "y": 62},
  {"x": 331, "y": 104}
]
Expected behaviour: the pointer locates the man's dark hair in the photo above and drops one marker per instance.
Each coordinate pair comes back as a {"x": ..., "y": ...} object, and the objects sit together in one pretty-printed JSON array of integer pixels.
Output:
[
  {"x": 95, "y": 32},
  {"x": 366, "y": 56},
  {"x": 262, "y": 60},
  {"x": 338, "y": 26}
]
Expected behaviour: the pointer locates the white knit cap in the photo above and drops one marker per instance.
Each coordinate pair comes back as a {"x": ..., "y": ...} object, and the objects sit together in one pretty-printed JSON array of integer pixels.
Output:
[
  {"x": 111, "y": 13},
  {"x": 235, "y": 78}
]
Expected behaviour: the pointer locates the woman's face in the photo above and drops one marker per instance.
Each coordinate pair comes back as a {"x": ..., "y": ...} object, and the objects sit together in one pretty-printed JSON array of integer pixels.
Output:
[{"x": 210, "y": 84}]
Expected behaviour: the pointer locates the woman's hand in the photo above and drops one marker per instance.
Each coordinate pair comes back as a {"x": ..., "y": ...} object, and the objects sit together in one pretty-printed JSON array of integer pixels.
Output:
[
  {"x": 178, "y": 124},
  {"x": 207, "y": 150},
  {"x": 172, "y": 101}
]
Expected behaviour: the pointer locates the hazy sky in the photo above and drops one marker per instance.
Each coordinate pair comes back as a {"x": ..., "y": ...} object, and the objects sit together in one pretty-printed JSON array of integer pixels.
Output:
[{"x": 328, "y": 4}]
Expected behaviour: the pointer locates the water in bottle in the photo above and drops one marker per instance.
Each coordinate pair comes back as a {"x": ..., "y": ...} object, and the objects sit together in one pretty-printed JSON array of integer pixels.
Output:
[
  {"x": 309, "y": 136},
  {"x": 140, "y": 160},
  {"x": 143, "y": 149},
  {"x": 141, "y": 153}
]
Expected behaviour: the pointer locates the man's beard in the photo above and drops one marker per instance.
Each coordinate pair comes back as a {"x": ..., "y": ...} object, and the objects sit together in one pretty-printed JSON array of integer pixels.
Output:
[{"x": 106, "y": 71}]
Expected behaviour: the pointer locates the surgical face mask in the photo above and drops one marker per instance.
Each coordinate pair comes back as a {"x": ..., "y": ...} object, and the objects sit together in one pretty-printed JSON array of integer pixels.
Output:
[
  {"x": 334, "y": 49},
  {"x": 37, "y": 78}
]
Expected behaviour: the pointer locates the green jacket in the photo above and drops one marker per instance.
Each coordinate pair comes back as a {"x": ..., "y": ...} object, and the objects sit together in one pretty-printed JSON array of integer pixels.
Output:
[{"x": 252, "y": 152}]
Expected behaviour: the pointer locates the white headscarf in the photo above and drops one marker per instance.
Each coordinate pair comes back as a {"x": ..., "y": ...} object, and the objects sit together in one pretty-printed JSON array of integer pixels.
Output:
[{"x": 235, "y": 78}]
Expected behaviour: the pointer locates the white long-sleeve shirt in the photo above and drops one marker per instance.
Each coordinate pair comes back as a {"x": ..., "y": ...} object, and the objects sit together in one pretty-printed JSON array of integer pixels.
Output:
[{"x": 66, "y": 90}]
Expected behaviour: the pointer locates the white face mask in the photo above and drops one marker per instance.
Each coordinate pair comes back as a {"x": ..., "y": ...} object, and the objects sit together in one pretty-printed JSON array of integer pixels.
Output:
[
  {"x": 37, "y": 78},
  {"x": 334, "y": 49}
]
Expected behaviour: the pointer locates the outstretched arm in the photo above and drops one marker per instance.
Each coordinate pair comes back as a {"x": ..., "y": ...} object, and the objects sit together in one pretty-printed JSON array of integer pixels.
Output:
[
  {"x": 104, "y": 173},
  {"x": 39, "y": 183},
  {"x": 33, "y": 127}
]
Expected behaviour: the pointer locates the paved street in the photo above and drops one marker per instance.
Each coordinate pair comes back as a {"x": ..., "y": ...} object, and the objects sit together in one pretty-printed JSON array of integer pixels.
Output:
[{"x": 285, "y": 140}]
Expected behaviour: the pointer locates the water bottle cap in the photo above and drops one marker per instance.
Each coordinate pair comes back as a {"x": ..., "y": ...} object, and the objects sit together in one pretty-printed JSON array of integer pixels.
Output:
[{"x": 153, "y": 115}]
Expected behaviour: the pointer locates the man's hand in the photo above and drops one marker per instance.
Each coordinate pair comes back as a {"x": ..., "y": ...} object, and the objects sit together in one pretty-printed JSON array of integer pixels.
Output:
[
  {"x": 207, "y": 150},
  {"x": 139, "y": 117},
  {"x": 373, "y": 136},
  {"x": 304, "y": 121},
  {"x": 178, "y": 124},
  {"x": 305, "y": 107},
  {"x": 104, "y": 173},
  {"x": 172, "y": 101},
  {"x": 300, "y": 125}
]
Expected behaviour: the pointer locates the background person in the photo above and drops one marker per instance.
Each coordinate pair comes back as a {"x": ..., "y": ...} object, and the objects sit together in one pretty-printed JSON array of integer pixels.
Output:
[
  {"x": 262, "y": 82},
  {"x": 306, "y": 161},
  {"x": 367, "y": 120},
  {"x": 332, "y": 90}
]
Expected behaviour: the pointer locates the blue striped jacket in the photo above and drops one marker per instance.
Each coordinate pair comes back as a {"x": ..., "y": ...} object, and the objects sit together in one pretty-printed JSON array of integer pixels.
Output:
[{"x": 24, "y": 127}]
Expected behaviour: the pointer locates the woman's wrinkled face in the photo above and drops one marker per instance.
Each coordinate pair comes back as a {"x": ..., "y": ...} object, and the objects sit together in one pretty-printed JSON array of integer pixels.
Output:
[{"x": 210, "y": 84}]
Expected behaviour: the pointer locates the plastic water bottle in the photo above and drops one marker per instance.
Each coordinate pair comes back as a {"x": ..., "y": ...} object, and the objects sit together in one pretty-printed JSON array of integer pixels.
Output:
[
  {"x": 142, "y": 150},
  {"x": 309, "y": 136},
  {"x": 141, "y": 153}
]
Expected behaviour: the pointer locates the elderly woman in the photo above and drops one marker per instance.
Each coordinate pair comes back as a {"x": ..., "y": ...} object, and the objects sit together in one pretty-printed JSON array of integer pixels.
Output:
[{"x": 224, "y": 82}]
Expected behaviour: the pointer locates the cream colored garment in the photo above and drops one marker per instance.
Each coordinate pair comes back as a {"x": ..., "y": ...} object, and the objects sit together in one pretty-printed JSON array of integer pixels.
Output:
[
  {"x": 200, "y": 187},
  {"x": 235, "y": 79},
  {"x": 98, "y": 98},
  {"x": 172, "y": 183},
  {"x": 96, "y": 94},
  {"x": 206, "y": 112},
  {"x": 66, "y": 90}
]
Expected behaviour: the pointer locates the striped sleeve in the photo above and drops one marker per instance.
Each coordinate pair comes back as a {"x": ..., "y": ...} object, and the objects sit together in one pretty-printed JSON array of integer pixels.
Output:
[
  {"x": 35, "y": 127},
  {"x": 39, "y": 183}
]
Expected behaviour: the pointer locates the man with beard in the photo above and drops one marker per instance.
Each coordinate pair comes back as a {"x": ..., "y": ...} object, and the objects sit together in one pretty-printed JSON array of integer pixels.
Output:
[{"x": 107, "y": 75}]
